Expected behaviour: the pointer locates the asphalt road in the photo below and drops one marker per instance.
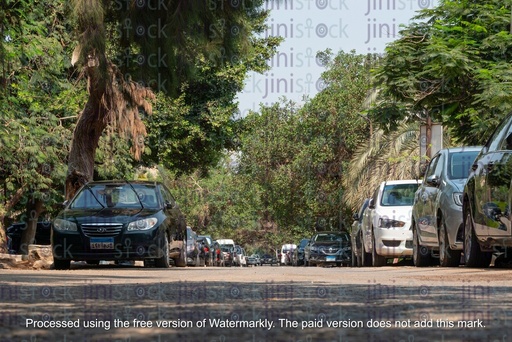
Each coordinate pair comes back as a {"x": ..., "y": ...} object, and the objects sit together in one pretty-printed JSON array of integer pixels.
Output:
[{"x": 393, "y": 303}]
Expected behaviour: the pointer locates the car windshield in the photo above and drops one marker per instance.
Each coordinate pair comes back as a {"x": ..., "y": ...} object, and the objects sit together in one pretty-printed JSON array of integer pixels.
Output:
[
  {"x": 398, "y": 194},
  {"x": 460, "y": 163},
  {"x": 98, "y": 196},
  {"x": 329, "y": 237}
]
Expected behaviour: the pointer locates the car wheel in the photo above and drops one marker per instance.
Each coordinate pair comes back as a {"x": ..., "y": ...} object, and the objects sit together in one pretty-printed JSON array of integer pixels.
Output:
[
  {"x": 421, "y": 255},
  {"x": 61, "y": 264},
  {"x": 366, "y": 258},
  {"x": 447, "y": 256},
  {"x": 92, "y": 262},
  {"x": 163, "y": 261},
  {"x": 473, "y": 255},
  {"x": 377, "y": 260},
  {"x": 181, "y": 261}
]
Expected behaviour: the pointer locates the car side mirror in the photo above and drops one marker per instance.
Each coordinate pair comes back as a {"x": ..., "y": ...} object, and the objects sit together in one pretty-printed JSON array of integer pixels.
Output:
[
  {"x": 355, "y": 217},
  {"x": 65, "y": 203},
  {"x": 432, "y": 180},
  {"x": 371, "y": 205},
  {"x": 168, "y": 205}
]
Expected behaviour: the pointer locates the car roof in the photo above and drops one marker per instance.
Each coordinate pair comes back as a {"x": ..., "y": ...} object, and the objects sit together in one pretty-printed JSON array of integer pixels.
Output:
[
  {"x": 462, "y": 149},
  {"x": 401, "y": 181},
  {"x": 124, "y": 182}
]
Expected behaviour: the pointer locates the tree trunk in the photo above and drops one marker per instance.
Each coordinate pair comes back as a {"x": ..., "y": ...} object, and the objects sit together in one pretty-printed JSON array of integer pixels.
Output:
[
  {"x": 87, "y": 133},
  {"x": 34, "y": 209}
]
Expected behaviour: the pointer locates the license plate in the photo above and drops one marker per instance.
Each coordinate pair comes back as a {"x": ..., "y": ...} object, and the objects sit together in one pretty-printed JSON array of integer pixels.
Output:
[
  {"x": 102, "y": 243},
  {"x": 330, "y": 258}
]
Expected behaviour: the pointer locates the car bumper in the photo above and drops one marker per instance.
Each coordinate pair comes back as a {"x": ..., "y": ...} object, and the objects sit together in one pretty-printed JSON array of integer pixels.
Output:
[
  {"x": 126, "y": 246},
  {"x": 330, "y": 259},
  {"x": 393, "y": 242}
]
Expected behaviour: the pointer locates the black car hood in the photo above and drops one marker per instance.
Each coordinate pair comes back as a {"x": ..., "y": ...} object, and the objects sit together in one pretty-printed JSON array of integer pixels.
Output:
[
  {"x": 116, "y": 215},
  {"x": 328, "y": 244}
]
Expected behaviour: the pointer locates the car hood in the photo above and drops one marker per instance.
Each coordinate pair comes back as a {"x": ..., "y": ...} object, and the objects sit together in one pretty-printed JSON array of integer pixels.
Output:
[
  {"x": 114, "y": 215},
  {"x": 327, "y": 244}
]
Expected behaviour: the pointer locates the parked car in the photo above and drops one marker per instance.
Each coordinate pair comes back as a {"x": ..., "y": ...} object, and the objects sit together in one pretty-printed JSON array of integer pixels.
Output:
[
  {"x": 328, "y": 248},
  {"x": 437, "y": 209},
  {"x": 14, "y": 231},
  {"x": 253, "y": 260},
  {"x": 487, "y": 200},
  {"x": 239, "y": 257},
  {"x": 386, "y": 222},
  {"x": 206, "y": 246},
  {"x": 195, "y": 254},
  {"x": 268, "y": 259},
  {"x": 119, "y": 220},
  {"x": 298, "y": 253},
  {"x": 218, "y": 254},
  {"x": 285, "y": 254},
  {"x": 227, "y": 249},
  {"x": 356, "y": 237}
]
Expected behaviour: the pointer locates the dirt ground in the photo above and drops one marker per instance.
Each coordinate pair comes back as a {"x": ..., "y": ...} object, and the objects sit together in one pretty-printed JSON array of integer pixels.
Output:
[{"x": 268, "y": 303}]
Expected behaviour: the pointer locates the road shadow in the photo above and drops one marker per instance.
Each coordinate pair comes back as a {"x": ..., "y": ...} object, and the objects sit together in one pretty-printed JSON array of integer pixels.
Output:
[{"x": 104, "y": 309}]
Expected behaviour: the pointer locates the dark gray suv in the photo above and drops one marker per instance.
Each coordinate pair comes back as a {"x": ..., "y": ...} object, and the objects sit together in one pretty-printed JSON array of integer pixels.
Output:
[{"x": 437, "y": 210}]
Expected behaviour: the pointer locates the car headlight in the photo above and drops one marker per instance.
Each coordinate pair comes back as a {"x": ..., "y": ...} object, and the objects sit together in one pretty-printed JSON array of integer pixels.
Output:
[
  {"x": 390, "y": 223},
  {"x": 64, "y": 225},
  {"x": 314, "y": 249},
  {"x": 457, "y": 198},
  {"x": 144, "y": 224}
]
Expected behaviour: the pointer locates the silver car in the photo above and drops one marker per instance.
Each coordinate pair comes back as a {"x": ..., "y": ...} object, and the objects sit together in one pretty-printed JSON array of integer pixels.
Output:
[{"x": 437, "y": 208}]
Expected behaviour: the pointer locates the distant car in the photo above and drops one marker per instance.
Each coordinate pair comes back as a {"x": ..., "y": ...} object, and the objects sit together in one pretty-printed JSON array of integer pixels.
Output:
[
  {"x": 119, "y": 220},
  {"x": 14, "y": 231},
  {"x": 195, "y": 254},
  {"x": 227, "y": 249},
  {"x": 268, "y": 259},
  {"x": 253, "y": 260},
  {"x": 356, "y": 237},
  {"x": 328, "y": 248},
  {"x": 386, "y": 226},
  {"x": 286, "y": 253},
  {"x": 487, "y": 201},
  {"x": 239, "y": 257},
  {"x": 298, "y": 253},
  {"x": 437, "y": 209},
  {"x": 206, "y": 246}
]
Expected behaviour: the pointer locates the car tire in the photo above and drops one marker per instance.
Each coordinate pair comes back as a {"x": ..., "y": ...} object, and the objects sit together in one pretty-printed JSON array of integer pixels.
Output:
[
  {"x": 59, "y": 264},
  {"x": 181, "y": 261},
  {"x": 163, "y": 261},
  {"x": 447, "y": 256},
  {"x": 377, "y": 260},
  {"x": 421, "y": 255},
  {"x": 473, "y": 255},
  {"x": 92, "y": 262}
]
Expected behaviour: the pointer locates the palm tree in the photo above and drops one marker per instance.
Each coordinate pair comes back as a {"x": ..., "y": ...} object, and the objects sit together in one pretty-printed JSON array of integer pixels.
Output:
[{"x": 393, "y": 155}]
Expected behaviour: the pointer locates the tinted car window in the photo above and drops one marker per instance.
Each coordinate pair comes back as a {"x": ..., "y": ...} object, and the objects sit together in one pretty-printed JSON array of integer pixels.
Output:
[
  {"x": 398, "y": 194},
  {"x": 494, "y": 142},
  {"x": 115, "y": 196},
  {"x": 459, "y": 164}
]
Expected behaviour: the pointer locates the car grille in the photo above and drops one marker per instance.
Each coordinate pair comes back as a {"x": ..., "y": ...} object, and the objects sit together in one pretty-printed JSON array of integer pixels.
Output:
[
  {"x": 102, "y": 229},
  {"x": 331, "y": 250}
]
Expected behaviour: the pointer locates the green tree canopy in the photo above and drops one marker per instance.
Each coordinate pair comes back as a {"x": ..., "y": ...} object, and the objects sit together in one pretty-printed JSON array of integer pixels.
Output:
[{"x": 451, "y": 63}]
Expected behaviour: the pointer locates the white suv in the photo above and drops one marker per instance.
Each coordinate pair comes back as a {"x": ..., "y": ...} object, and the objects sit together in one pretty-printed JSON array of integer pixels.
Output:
[{"x": 386, "y": 226}]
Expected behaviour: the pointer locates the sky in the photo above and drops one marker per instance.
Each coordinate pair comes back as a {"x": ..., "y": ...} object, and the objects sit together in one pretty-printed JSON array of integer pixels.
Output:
[{"x": 309, "y": 26}]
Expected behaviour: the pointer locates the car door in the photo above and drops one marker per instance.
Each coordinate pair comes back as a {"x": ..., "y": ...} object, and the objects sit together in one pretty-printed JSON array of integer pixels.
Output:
[
  {"x": 425, "y": 202},
  {"x": 498, "y": 181},
  {"x": 490, "y": 181}
]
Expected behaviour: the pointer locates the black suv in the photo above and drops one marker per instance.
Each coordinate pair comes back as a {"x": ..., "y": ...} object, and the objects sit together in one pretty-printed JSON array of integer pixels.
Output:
[{"x": 119, "y": 220}]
